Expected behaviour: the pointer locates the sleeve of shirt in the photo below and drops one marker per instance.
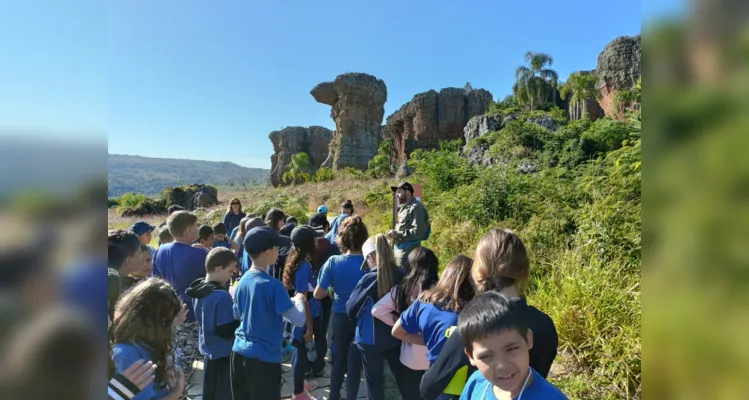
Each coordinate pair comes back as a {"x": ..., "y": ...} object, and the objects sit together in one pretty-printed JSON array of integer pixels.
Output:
[
  {"x": 301, "y": 278},
  {"x": 410, "y": 318},
  {"x": 418, "y": 227},
  {"x": 297, "y": 314},
  {"x": 441, "y": 372},
  {"x": 225, "y": 310},
  {"x": 120, "y": 388},
  {"x": 384, "y": 309},
  {"x": 281, "y": 300},
  {"x": 470, "y": 389},
  {"x": 325, "y": 279},
  {"x": 226, "y": 219}
]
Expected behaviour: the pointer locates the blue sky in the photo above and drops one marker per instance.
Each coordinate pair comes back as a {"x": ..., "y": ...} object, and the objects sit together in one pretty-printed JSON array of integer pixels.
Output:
[{"x": 210, "y": 80}]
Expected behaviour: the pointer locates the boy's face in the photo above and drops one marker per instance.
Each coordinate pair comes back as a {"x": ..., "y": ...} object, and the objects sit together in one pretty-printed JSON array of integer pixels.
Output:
[
  {"x": 132, "y": 264},
  {"x": 208, "y": 242},
  {"x": 147, "y": 266},
  {"x": 225, "y": 273},
  {"x": 192, "y": 232},
  {"x": 503, "y": 359},
  {"x": 146, "y": 238},
  {"x": 219, "y": 236}
]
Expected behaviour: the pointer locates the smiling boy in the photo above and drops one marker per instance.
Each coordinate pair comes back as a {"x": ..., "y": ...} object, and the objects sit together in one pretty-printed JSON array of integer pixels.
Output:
[{"x": 497, "y": 340}]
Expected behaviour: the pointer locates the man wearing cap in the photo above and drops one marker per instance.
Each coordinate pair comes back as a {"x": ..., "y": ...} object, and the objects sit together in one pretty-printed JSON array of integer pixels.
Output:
[
  {"x": 144, "y": 232},
  {"x": 412, "y": 226}
]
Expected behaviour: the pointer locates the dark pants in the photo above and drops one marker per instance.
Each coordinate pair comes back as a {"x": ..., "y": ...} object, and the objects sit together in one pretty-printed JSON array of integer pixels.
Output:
[
  {"x": 217, "y": 379},
  {"x": 300, "y": 362},
  {"x": 252, "y": 379},
  {"x": 374, "y": 369},
  {"x": 411, "y": 382},
  {"x": 346, "y": 358},
  {"x": 321, "y": 344}
]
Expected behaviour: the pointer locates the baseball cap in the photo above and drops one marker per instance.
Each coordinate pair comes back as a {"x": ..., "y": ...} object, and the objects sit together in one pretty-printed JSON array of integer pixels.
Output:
[
  {"x": 142, "y": 227},
  {"x": 318, "y": 221},
  {"x": 404, "y": 186},
  {"x": 262, "y": 238},
  {"x": 304, "y": 234},
  {"x": 322, "y": 209},
  {"x": 367, "y": 248}
]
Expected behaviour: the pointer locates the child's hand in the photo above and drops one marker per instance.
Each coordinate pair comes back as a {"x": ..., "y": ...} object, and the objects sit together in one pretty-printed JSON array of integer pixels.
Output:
[
  {"x": 181, "y": 316},
  {"x": 177, "y": 382},
  {"x": 308, "y": 335},
  {"x": 141, "y": 373},
  {"x": 300, "y": 297}
]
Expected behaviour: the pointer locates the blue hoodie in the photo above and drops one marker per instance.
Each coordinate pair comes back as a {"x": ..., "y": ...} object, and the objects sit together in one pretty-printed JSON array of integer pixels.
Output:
[{"x": 370, "y": 330}]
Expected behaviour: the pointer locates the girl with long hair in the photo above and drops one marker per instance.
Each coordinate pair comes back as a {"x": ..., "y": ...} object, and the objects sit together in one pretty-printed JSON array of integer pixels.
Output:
[
  {"x": 427, "y": 319},
  {"x": 501, "y": 265},
  {"x": 233, "y": 215},
  {"x": 299, "y": 277},
  {"x": 422, "y": 275},
  {"x": 342, "y": 273},
  {"x": 373, "y": 336},
  {"x": 142, "y": 329}
]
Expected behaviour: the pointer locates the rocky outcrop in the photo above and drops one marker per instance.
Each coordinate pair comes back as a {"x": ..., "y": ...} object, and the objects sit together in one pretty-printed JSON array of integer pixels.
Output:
[
  {"x": 357, "y": 106},
  {"x": 192, "y": 197},
  {"x": 433, "y": 116},
  {"x": 481, "y": 125},
  {"x": 291, "y": 140},
  {"x": 619, "y": 68}
]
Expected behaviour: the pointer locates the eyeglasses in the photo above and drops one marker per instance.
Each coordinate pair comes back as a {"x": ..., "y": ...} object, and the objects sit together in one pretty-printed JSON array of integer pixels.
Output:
[{"x": 235, "y": 204}]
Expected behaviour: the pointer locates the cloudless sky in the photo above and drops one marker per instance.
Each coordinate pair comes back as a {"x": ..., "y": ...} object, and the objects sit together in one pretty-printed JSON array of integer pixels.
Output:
[{"x": 210, "y": 80}]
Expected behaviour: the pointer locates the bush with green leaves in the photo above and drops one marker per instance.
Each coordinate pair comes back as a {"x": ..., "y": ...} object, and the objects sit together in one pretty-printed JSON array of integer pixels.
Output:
[
  {"x": 604, "y": 135},
  {"x": 445, "y": 168},
  {"x": 323, "y": 174}
]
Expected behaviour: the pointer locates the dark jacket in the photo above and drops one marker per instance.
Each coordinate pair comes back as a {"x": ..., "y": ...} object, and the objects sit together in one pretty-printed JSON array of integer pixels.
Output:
[
  {"x": 370, "y": 330},
  {"x": 200, "y": 289},
  {"x": 232, "y": 220},
  {"x": 453, "y": 357}
]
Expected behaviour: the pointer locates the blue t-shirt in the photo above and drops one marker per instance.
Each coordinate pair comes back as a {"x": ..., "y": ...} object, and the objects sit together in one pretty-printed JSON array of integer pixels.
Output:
[
  {"x": 304, "y": 281},
  {"x": 180, "y": 264},
  {"x": 432, "y": 322},
  {"x": 260, "y": 301},
  {"x": 222, "y": 243},
  {"x": 212, "y": 311},
  {"x": 479, "y": 388},
  {"x": 125, "y": 355},
  {"x": 84, "y": 286},
  {"x": 342, "y": 273}
]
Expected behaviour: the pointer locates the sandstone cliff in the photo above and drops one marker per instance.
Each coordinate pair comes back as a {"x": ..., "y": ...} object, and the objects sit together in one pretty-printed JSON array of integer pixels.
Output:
[
  {"x": 357, "y": 106},
  {"x": 296, "y": 139},
  {"x": 431, "y": 116},
  {"x": 619, "y": 66}
]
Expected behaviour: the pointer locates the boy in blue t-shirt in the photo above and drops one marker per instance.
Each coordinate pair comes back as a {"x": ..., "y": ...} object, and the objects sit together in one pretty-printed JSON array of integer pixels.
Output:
[
  {"x": 497, "y": 341},
  {"x": 205, "y": 236},
  {"x": 262, "y": 302},
  {"x": 221, "y": 239},
  {"x": 214, "y": 310},
  {"x": 145, "y": 233}
]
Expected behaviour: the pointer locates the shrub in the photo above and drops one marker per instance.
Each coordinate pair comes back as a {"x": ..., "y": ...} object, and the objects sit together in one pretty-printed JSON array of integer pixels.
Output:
[
  {"x": 444, "y": 168},
  {"x": 323, "y": 174},
  {"x": 351, "y": 173},
  {"x": 604, "y": 135},
  {"x": 138, "y": 205},
  {"x": 379, "y": 166},
  {"x": 113, "y": 202}
]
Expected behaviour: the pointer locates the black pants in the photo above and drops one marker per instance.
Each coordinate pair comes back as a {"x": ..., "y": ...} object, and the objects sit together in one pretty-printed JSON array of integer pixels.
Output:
[
  {"x": 411, "y": 382},
  {"x": 252, "y": 379},
  {"x": 217, "y": 379},
  {"x": 374, "y": 369},
  {"x": 346, "y": 358}
]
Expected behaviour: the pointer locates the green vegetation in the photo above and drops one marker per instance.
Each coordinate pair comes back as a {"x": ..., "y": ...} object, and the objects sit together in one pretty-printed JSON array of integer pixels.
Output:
[
  {"x": 380, "y": 166},
  {"x": 323, "y": 174},
  {"x": 580, "y": 86},
  {"x": 299, "y": 170},
  {"x": 535, "y": 83}
]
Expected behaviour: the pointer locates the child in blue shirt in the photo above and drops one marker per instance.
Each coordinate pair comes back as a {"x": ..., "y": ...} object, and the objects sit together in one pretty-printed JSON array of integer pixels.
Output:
[
  {"x": 261, "y": 302},
  {"x": 299, "y": 278},
  {"x": 221, "y": 239},
  {"x": 214, "y": 310},
  {"x": 205, "y": 236},
  {"x": 343, "y": 273},
  {"x": 142, "y": 330},
  {"x": 497, "y": 340}
]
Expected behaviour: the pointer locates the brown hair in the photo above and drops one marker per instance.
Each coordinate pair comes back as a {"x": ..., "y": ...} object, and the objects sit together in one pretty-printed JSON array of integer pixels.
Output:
[
  {"x": 234, "y": 200},
  {"x": 502, "y": 260},
  {"x": 145, "y": 314},
  {"x": 242, "y": 230},
  {"x": 455, "y": 288},
  {"x": 165, "y": 236},
  {"x": 121, "y": 245},
  {"x": 219, "y": 257},
  {"x": 307, "y": 251},
  {"x": 180, "y": 221},
  {"x": 352, "y": 234},
  {"x": 386, "y": 267},
  {"x": 273, "y": 216},
  {"x": 422, "y": 275}
]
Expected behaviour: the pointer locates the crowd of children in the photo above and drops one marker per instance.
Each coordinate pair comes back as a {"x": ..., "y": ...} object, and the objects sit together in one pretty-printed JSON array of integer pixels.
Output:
[{"x": 238, "y": 293}]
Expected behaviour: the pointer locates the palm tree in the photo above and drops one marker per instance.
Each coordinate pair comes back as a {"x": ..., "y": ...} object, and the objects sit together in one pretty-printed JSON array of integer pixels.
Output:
[
  {"x": 534, "y": 81},
  {"x": 299, "y": 169},
  {"x": 582, "y": 86}
]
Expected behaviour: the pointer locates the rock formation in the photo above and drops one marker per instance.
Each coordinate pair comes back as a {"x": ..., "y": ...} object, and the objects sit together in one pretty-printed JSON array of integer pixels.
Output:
[
  {"x": 296, "y": 139},
  {"x": 619, "y": 66},
  {"x": 193, "y": 196},
  {"x": 357, "y": 106},
  {"x": 431, "y": 116}
]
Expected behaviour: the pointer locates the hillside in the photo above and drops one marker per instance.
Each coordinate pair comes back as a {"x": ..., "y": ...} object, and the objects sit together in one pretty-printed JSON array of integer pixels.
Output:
[{"x": 150, "y": 175}]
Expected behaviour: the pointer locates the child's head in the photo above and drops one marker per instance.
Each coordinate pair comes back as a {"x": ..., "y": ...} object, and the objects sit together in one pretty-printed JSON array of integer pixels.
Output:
[
  {"x": 319, "y": 222},
  {"x": 423, "y": 273},
  {"x": 352, "y": 234},
  {"x": 183, "y": 225},
  {"x": 304, "y": 239},
  {"x": 124, "y": 251},
  {"x": 235, "y": 206},
  {"x": 501, "y": 261},
  {"x": 262, "y": 244},
  {"x": 293, "y": 221},
  {"x": 221, "y": 264},
  {"x": 347, "y": 207},
  {"x": 146, "y": 313},
  {"x": 143, "y": 230},
  {"x": 165, "y": 236},
  {"x": 147, "y": 263},
  {"x": 276, "y": 219},
  {"x": 497, "y": 339},
  {"x": 455, "y": 287},
  {"x": 241, "y": 228},
  {"x": 219, "y": 231},
  {"x": 205, "y": 236},
  {"x": 174, "y": 208}
]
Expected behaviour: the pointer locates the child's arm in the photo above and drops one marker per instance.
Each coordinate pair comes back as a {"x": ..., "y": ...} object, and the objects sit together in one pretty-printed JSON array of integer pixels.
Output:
[
  {"x": 384, "y": 309},
  {"x": 128, "y": 384},
  {"x": 401, "y": 334},
  {"x": 297, "y": 313}
]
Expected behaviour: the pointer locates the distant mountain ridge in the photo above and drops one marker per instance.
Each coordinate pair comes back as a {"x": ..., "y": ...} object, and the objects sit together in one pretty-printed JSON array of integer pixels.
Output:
[{"x": 150, "y": 176}]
